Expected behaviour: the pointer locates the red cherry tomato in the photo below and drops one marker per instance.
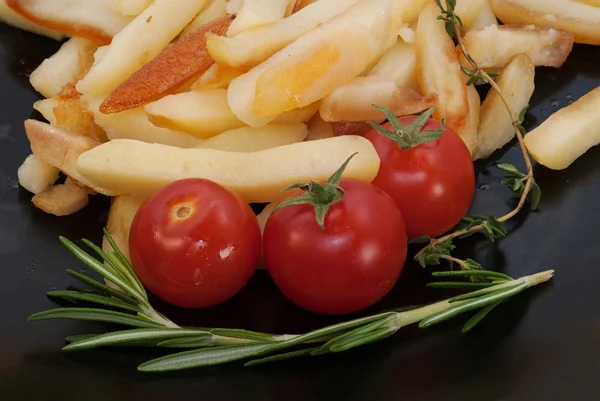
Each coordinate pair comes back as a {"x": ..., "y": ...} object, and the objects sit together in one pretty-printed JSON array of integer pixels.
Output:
[
  {"x": 432, "y": 183},
  {"x": 350, "y": 264},
  {"x": 194, "y": 243}
]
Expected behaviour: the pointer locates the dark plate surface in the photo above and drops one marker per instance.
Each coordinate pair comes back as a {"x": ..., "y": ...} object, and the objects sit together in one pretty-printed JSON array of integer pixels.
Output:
[{"x": 543, "y": 345}]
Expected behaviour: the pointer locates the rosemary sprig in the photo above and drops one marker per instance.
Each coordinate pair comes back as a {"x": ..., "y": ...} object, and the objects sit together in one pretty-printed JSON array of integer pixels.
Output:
[{"x": 213, "y": 346}]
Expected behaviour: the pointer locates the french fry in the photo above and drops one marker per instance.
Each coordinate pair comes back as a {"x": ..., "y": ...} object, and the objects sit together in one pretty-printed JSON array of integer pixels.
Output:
[
  {"x": 407, "y": 33},
  {"x": 176, "y": 65},
  {"x": 399, "y": 65},
  {"x": 12, "y": 18},
  {"x": 254, "y": 46},
  {"x": 126, "y": 166},
  {"x": 95, "y": 21},
  {"x": 567, "y": 15},
  {"x": 215, "y": 9},
  {"x": 255, "y": 13},
  {"x": 350, "y": 128},
  {"x": 139, "y": 42},
  {"x": 300, "y": 4},
  {"x": 439, "y": 71},
  {"x": 313, "y": 66},
  {"x": 120, "y": 217},
  {"x": 233, "y": 6},
  {"x": 249, "y": 139},
  {"x": 354, "y": 101},
  {"x": 202, "y": 114},
  {"x": 301, "y": 115},
  {"x": 595, "y": 3},
  {"x": 129, "y": 7},
  {"x": 134, "y": 124},
  {"x": 469, "y": 136},
  {"x": 218, "y": 76},
  {"x": 35, "y": 176},
  {"x": 495, "y": 126},
  {"x": 485, "y": 18},
  {"x": 46, "y": 109},
  {"x": 61, "y": 199},
  {"x": 60, "y": 149},
  {"x": 59, "y": 69},
  {"x": 494, "y": 46},
  {"x": 319, "y": 129},
  {"x": 468, "y": 11},
  {"x": 409, "y": 10},
  {"x": 567, "y": 134}
]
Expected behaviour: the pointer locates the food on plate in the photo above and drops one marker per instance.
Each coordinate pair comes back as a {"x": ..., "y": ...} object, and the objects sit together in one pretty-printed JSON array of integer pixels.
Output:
[
  {"x": 350, "y": 128},
  {"x": 120, "y": 217},
  {"x": 494, "y": 46},
  {"x": 95, "y": 21},
  {"x": 469, "y": 10},
  {"x": 496, "y": 129},
  {"x": 338, "y": 253},
  {"x": 409, "y": 10},
  {"x": 255, "y": 13},
  {"x": 194, "y": 243},
  {"x": 439, "y": 71},
  {"x": 426, "y": 169},
  {"x": 215, "y": 9},
  {"x": 35, "y": 175},
  {"x": 469, "y": 136},
  {"x": 312, "y": 66},
  {"x": 61, "y": 199},
  {"x": 217, "y": 76},
  {"x": 179, "y": 63},
  {"x": 12, "y": 18},
  {"x": 200, "y": 113},
  {"x": 233, "y": 6},
  {"x": 485, "y": 18},
  {"x": 254, "y": 46},
  {"x": 301, "y": 115},
  {"x": 129, "y": 7},
  {"x": 567, "y": 15},
  {"x": 398, "y": 64},
  {"x": 250, "y": 139},
  {"x": 137, "y": 43},
  {"x": 567, "y": 134},
  {"x": 319, "y": 129}
]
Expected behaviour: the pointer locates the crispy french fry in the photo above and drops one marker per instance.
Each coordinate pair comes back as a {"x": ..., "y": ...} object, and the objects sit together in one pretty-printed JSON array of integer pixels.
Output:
[
  {"x": 12, "y": 18},
  {"x": 399, "y": 65},
  {"x": 46, "y": 109},
  {"x": 202, "y": 114},
  {"x": 59, "y": 69},
  {"x": 139, "y": 42},
  {"x": 567, "y": 134},
  {"x": 439, "y": 71},
  {"x": 595, "y": 3},
  {"x": 300, "y": 4},
  {"x": 60, "y": 149},
  {"x": 95, "y": 21},
  {"x": 350, "y": 128},
  {"x": 218, "y": 76},
  {"x": 254, "y": 46},
  {"x": 255, "y": 13},
  {"x": 469, "y": 136},
  {"x": 354, "y": 101},
  {"x": 313, "y": 66},
  {"x": 176, "y": 65},
  {"x": 35, "y": 176},
  {"x": 567, "y": 15},
  {"x": 468, "y": 10},
  {"x": 134, "y": 124},
  {"x": 140, "y": 168},
  {"x": 129, "y": 7},
  {"x": 485, "y": 18},
  {"x": 215, "y": 9},
  {"x": 494, "y": 46},
  {"x": 301, "y": 115},
  {"x": 249, "y": 139},
  {"x": 319, "y": 129},
  {"x": 120, "y": 217},
  {"x": 61, "y": 199},
  {"x": 495, "y": 126}
]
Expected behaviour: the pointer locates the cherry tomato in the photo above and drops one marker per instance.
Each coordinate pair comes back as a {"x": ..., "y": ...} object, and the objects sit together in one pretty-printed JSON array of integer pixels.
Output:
[
  {"x": 432, "y": 183},
  {"x": 194, "y": 243},
  {"x": 350, "y": 264}
]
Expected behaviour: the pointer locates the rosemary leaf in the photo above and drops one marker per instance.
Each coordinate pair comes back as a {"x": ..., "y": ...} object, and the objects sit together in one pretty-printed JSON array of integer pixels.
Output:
[
  {"x": 375, "y": 336},
  {"x": 199, "y": 341},
  {"x": 466, "y": 273},
  {"x": 243, "y": 334},
  {"x": 456, "y": 284},
  {"x": 478, "y": 317},
  {"x": 129, "y": 336},
  {"x": 484, "y": 291},
  {"x": 360, "y": 331},
  {"x": 78, "y": 337},
  {"x": 139, "y": 344},
  {"x": 94, "y": 298},
  {"x": 281, "y": 357},
  {"x": 94, "y": 315},
  {"x": 101, "y": 287}
]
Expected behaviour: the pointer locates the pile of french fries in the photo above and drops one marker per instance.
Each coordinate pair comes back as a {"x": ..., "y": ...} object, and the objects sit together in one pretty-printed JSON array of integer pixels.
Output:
[{"x": 259, "y": 94}]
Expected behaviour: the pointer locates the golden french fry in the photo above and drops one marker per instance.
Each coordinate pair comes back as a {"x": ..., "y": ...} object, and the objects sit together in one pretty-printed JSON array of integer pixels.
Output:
[
  {"x": 469, "y": 10},
  {"x": 254, "y": 13},
  {"x": 46, "y": 108},
  {"x": 215, "y": 9},
  {"x": 254, "y": 46},
  {"x": 354, "y": 101},
  {"x": 94, "y": 21},
  {"x": 139, "y": 42},
  {"x": 129, "y": 7},
  {"x": 495, "y": 126},
  {"x": 250, "y": 139},
  {"x": 485, "y": 18},
  {"x": 350, "y": 128},
  {"x": 35, "y": 175},
  {"x": 594, "y": 3},
  {"x": 313, "y": 66},
  {"x": 494, "y": 46},
  {"x": 319, "y": 129},
  {"x": 61, "y": 199},
  {"x": 300, "y": 4},
  {"x": 301, "y": 115},
  {"x": 218, "y": 76},
  {"x": 399, "y": 65},
  {"x": 567, "y": 15},
  {"x": 439, "y": 71},
  {"x": 177, "y": 64},
  {"x": 123, "y": 209},
  {"x": 567, "y": 134},
  {"x": 202, "y": 114},
  {"x": 60, "y": 149},
  {"x": 12, "y": 18},
  {"x": 126, "y": 166},
  {"x": 59, "y": 69},
  {"x": 469, "y": 136}
]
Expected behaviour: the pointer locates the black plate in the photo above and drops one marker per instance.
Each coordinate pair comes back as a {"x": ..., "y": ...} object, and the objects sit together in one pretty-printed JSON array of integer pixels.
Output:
[{"x": 543, "y": 345}]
